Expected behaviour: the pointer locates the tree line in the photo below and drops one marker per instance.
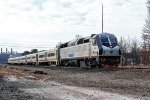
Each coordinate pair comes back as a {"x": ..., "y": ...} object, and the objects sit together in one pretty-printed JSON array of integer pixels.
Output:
[
  {"x": 30, "y": 52},
  {"x": 133, "y": 52}
]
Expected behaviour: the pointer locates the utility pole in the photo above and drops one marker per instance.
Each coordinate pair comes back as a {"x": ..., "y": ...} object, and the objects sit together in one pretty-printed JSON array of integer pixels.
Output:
[
  {"x": 102, "y": 18},
  {"x": 11, "y": 51}
]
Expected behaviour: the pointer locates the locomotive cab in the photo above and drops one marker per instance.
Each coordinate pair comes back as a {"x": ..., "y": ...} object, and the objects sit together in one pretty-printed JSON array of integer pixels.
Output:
[{"x": 109, "y": 51}]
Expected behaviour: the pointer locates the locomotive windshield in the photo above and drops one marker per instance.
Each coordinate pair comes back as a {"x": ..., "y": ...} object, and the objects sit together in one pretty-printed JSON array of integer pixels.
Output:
[
  {"x": 105, "y": 41},
  {"x": 108, "y": 40},
  {"x": 113, "y": 40}
]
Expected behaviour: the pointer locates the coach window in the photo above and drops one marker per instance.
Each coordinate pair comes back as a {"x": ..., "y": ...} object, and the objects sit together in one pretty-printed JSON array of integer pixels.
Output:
[
  {"x": 51, "y": 54},
  {"x": 80, "y": 41},
  {"x": 86, "y": 41},
  {"x": 41, "y": 56},
  {"x": 65, "y": 45},
  {"x": 33, "y": 57}
]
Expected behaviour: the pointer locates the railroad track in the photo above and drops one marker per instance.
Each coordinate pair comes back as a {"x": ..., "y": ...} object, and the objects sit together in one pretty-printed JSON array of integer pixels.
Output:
[{"x": 43, "y": 68}]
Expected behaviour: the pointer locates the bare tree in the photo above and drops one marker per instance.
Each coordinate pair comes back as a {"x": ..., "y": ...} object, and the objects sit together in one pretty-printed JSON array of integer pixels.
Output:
[
  {"x": 125, "y": 49},
  {"x": 135, "y": 52},
  {"x": 146, "y": 31},
  {"x": 130, "y": 49}
]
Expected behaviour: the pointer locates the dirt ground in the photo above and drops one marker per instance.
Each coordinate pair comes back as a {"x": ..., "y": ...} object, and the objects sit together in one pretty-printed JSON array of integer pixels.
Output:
[{"x": 23, "y": 83}]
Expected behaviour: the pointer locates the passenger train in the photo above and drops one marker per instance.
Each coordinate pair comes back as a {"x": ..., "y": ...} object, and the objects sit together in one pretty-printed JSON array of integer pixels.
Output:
[{"x": 97, "y": 50}]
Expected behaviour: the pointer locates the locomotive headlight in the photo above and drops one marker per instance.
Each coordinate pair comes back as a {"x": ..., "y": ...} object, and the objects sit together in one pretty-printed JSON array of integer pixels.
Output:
[{"x": 110, "y": 46}]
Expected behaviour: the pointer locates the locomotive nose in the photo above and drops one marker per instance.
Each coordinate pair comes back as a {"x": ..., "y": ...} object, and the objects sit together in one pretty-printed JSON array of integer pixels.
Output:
[
  {"x": 110, "y": 51},
  {"x": 110, "y": 46}
]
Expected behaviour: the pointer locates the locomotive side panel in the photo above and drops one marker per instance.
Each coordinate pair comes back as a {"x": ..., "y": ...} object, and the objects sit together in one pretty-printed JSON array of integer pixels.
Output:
[{"x": 75, "y": 52}]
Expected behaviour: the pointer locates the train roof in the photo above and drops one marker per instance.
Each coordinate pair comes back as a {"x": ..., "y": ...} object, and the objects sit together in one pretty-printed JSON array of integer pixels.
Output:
[
  {"x": 43, "y": 52},
  {"x": 88, "y": 37},
  {"x": 106, "y": 34}
]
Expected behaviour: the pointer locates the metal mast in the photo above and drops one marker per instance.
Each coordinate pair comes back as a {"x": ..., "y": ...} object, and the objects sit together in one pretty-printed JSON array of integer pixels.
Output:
[{"x": 102, "y": 18}]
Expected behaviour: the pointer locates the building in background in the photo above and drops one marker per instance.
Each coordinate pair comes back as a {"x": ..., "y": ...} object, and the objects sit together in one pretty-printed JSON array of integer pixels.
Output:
[
  {"x": 4, "y": 58},
  {"x": 4, "y": 55}
]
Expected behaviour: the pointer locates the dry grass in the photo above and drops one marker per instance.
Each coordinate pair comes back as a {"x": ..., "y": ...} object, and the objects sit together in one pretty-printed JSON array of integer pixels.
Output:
[{"x": 13, "y": 71}]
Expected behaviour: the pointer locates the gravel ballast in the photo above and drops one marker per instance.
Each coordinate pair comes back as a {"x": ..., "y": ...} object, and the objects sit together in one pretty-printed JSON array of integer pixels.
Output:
[{"x": 125, "y": 82}]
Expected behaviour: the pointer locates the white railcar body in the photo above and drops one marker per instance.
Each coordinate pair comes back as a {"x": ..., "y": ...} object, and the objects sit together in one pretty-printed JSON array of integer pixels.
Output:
[
  {"x": 10, "y": 61},
  {"x": 51, "y": 57},
  {"x": 42, "y": 56},
  {"x": 28, "y": 59},
  {"x": 20, "y": 60},
  {"x": 24, "y": 60},
  {"x": 33, "y": 57},
  {"x": 16, "y": 60}
]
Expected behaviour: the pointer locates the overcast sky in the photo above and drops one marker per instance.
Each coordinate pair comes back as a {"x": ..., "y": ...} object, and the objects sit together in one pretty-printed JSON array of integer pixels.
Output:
[{"x": 26, "y": 24}]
